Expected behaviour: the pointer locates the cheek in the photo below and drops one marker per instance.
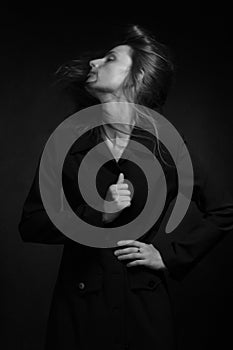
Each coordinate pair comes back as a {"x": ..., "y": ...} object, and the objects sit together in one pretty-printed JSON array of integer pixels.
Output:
[{"x": 115, "y": 76}]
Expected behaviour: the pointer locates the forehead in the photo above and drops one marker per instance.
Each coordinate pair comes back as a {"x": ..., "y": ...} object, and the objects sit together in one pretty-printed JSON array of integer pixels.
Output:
[{"x": 122, "y": 50}]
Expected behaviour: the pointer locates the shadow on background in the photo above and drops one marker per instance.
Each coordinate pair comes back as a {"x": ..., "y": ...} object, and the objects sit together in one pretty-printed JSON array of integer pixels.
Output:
[{"x": 33, "y": 45}]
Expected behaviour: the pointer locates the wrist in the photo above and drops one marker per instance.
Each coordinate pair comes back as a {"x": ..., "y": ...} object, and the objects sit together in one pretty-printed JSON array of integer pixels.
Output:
[{"x": 108, "y": 217}]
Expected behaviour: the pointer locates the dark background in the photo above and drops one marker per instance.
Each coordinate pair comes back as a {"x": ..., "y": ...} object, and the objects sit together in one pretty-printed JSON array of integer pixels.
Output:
[{"x": 34, "y": 42}]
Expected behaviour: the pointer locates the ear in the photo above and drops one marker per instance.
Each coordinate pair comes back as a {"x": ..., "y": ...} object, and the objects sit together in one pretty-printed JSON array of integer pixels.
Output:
[{"x": 141, "y": 75}]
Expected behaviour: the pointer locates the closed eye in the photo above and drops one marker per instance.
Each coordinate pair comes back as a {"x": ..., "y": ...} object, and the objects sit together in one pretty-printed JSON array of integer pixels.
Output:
[{"x": 110, "y": 58}]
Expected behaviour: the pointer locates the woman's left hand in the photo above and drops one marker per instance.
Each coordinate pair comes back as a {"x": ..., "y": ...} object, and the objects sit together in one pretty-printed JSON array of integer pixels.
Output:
[{"x": 142, "y": 253}]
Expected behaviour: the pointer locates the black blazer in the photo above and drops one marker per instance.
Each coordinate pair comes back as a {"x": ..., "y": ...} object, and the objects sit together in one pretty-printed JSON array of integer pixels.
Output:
[
  {"x": 93, "y": 279},
  {"x": 211, "y": 198}
]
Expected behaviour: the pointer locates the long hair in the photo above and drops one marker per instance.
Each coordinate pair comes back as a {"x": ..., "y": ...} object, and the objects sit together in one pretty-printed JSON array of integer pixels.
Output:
[{"x": 147, "y": 83}]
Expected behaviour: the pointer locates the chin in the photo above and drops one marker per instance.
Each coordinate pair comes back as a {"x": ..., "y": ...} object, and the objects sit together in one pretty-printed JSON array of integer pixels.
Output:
[
  {"x": 92, "y": 90},
  {"x": 99, "y": 91}
]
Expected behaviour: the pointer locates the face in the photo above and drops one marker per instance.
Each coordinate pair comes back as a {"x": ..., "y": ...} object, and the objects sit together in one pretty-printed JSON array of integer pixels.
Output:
[{"x": 108, "y": 73}]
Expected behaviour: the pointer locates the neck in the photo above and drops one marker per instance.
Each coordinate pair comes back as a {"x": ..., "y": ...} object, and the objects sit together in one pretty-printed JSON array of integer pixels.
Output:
[{"x": 119, "y": 114}]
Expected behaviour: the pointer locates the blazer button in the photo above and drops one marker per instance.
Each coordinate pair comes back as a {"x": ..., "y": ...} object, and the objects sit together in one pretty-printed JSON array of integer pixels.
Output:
[
  {"x": 151, "y": 283},
  {"x": 81, "y": 285}
]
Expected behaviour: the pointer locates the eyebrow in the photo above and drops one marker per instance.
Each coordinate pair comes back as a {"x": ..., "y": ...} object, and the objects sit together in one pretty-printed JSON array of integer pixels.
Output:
[{"x": 111, "y": 52}]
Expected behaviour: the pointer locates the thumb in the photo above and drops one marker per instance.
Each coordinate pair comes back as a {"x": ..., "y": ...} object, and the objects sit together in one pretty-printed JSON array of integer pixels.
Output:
[{"x": 120, "y": 178}]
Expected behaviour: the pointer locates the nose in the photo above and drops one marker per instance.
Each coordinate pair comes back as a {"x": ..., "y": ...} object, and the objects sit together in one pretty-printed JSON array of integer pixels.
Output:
[{"x": 95, "y": 63}]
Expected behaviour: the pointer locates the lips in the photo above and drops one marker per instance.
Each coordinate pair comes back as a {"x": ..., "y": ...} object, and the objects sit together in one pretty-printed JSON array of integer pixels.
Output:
[
  {"x": 92, "y": 76},
  {"x": 92, "y": 73}
]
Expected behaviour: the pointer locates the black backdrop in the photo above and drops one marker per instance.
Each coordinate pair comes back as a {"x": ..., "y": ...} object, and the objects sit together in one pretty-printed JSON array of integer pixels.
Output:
[{"x": 34, "y": 42}]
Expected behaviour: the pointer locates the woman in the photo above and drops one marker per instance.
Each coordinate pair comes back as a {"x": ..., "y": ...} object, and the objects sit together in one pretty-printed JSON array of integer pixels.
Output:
[{"x": 118, "y": 298}]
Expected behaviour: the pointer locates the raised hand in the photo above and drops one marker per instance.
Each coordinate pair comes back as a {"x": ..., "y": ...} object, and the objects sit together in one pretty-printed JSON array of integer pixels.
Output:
[{"x": 118, "y": 197}]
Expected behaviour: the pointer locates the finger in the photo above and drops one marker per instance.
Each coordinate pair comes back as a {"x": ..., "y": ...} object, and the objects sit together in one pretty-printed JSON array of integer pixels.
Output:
[
  {"x": 123, "y": 192},
  {"x": 123, "y": 198},
  {"x": 123, "y": 186},
  {"x": 126, "y": 251},
  {"x": 118, "y": 188},
  {"x": 120, "y": 178},
  {"x": 131, "y": 243},
  {"x": 136, "y": 263},
  {"x": 130, "y": 256}
]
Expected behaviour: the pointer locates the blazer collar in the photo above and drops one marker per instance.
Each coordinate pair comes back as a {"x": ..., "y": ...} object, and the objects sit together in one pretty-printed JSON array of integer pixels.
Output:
[{"x": 92, "y": 137}]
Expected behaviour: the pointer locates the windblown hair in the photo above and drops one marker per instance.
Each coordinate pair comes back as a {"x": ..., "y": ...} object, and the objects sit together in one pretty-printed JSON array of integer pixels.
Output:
[{"x": 148, "y": 81}]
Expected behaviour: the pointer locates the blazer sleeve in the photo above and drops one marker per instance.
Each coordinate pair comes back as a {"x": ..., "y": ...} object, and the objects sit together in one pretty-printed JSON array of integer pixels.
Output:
[
  {"x": 35, "y": 224},
  {"x": 188, "y": 243}
]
